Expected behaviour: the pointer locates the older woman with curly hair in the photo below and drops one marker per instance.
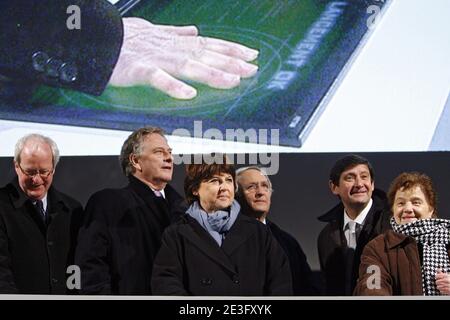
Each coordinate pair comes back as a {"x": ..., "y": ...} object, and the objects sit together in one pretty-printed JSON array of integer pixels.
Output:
[
  {"x": 413, "y": 257},
  {"x": 215, "y": 250}
]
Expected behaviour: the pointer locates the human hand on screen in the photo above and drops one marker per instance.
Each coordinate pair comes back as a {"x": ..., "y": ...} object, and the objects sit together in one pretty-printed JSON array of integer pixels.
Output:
[
  {"x": 443, "y": 282},
  {"x": 158, "y": 55}
]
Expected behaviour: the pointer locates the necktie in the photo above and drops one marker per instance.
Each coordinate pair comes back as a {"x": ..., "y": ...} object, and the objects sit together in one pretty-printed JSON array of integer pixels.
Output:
[
  {"x": 353, "y": 228},
  {"x": 158, "y": 194},
  {"x": 352, "y": 236},
  {"x": 40, "y": 208}
]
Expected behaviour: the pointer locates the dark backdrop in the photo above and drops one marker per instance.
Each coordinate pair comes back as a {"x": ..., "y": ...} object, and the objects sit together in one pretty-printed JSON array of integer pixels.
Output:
[{"x": 301, "y": 185}]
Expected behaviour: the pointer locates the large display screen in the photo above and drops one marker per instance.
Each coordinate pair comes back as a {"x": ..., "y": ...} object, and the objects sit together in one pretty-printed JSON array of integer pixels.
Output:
[{"x": 304, "y": 47}]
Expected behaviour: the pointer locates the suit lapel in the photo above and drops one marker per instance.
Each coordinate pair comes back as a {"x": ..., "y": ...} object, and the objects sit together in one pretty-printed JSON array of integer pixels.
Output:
[
  {"x": 337, "y": 233},
  {"x": 237, "y": 235},
  {"x": 160, "y": 212},
  {"x": 368, "y": 228},
  {"x": 200, "y": 238},
  {"x": 24, "y": 206}
]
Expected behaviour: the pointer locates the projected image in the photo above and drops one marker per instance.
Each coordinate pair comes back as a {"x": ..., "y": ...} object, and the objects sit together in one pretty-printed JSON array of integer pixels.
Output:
[{"x": 303, "y": 47}]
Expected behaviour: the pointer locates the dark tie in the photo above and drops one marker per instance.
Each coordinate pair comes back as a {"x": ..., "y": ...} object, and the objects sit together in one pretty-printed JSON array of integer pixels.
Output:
[{"x": 40, "y": 208}]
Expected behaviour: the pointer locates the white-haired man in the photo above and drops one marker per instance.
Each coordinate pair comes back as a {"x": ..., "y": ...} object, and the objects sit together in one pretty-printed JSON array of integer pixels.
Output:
[
  {"x": 254, "y": 195},
  {"x": 38, "y": 224}
]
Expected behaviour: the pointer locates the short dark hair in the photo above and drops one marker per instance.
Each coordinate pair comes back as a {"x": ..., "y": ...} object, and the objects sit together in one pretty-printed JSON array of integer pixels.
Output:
[
  {"x": 410, "y": 180},
  {"x": 197, "y": 173},
  {"x": 346, "y": 163},
  {"x": 133, "y": 145}
]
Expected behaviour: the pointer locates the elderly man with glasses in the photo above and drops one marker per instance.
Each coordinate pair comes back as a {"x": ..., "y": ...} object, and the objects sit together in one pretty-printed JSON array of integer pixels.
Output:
[
  {"x": 254, "y": 195},
  {"x": 38, "y": 224}
]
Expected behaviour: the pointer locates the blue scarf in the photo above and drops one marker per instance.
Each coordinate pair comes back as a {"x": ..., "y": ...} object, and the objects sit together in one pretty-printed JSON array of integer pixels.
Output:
[{"x": 217, "y": 223}]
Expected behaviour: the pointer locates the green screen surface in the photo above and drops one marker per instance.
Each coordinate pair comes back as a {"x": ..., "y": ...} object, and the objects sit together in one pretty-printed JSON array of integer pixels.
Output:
[{"x": 303, "y": 46}]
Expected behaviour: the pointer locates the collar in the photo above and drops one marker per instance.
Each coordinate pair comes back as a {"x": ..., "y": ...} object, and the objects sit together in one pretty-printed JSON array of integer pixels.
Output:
[
  {"x": 394, "y": 239},
  {"x": 361, "y": 216},
  {"x": 44, "y": 202},
  {"x": 19, "y": 198},
  {"x": 142, "y": 187},
  {"x": 335, "y": 213},
  {"x": 162, "y": 192}
]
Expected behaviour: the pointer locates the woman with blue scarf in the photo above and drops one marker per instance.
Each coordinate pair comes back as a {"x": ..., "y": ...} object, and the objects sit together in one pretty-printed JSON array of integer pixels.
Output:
[
  {"x": 213, "y": 249},
  {"x": 413, "y": 257}
]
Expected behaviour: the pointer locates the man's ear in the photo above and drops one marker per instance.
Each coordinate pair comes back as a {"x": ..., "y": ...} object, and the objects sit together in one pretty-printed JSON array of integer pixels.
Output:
[
  {"x": 16, "y": 167},
  {"x": 134, "y": 162},
  {"x": 333, "y": 188}
]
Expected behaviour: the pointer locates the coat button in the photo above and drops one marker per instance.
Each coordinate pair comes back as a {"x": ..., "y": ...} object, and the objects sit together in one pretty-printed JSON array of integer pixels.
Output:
[
  {"x": 206, "y": 282},
  {"x": 39, "y": 61},
  {"x": 236, "y": 280},
  {"x": 68, "y": 72},
  {"x": 53, "y": 66}
]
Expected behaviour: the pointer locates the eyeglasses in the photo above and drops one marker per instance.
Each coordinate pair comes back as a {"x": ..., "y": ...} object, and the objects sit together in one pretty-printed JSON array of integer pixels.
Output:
[
  {"x": 33, "y": 173},
  {"x": 255, "y": 186}
]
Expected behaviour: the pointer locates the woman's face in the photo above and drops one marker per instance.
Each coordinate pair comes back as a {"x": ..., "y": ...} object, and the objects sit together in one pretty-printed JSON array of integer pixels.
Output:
[
  {"x": 411, "y": 205},
  {"x": 217, "y": 193}
]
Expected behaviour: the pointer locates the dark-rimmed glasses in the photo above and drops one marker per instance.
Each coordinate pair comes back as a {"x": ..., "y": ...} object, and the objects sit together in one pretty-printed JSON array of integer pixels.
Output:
[{"x": 45, "y": 173}]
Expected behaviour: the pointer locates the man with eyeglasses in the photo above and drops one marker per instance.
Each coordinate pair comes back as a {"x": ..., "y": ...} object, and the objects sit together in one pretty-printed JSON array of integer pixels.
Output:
[
  {"x": 254, "y": 194},
  {"x": 38, "y": 224}
]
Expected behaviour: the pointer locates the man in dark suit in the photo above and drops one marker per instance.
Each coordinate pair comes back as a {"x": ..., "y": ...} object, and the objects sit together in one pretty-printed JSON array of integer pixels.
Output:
[
  {"x": 362, "y": 214},
  {"x": 38, "y": 224},
  {"x": 122, "y": 231},
  {"x": 254, "y": 195},
  {"x": 45, "y": 42}
]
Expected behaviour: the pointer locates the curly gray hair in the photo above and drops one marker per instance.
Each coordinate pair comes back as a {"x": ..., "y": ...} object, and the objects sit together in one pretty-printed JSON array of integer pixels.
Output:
[{"x": 133, "y": 145}]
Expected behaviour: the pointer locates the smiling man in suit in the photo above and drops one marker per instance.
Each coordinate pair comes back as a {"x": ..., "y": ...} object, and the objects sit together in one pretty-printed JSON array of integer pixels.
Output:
[{"x": 361, "y": 215}]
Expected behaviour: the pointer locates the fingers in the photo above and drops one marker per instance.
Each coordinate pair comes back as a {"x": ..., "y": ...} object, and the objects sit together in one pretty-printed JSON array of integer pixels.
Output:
[
  {"x": 141, "y": 73},
  {"x": 443, "y": 288},
  {"x": 208, "y": 75},
  {"x": 227, "y": 64},
  {"x": 443, "y": 282},
  {"x": 158, "y": 54},
  {"x": 178, "y": 30},
  {"x": 175, "y": 88},
  {"x": 230, "y": 49}
]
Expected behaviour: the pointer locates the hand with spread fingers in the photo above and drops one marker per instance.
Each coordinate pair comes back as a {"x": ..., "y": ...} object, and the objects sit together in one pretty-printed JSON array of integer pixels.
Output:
[
  {"x": 443, "y": 282},
  {"x": 159, "y": 56}
]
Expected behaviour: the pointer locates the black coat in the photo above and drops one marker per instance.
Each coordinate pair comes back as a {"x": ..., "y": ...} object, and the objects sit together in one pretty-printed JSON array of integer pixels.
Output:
[
  {"x": 121, "y": 235},
  {"x": 302, "y": 276},
  {"x": 333, "y": 248},
  {"x": 37, "y": 47},
  {"x": 33, "y": 256},
  {"x": 249, "y": 262}
]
